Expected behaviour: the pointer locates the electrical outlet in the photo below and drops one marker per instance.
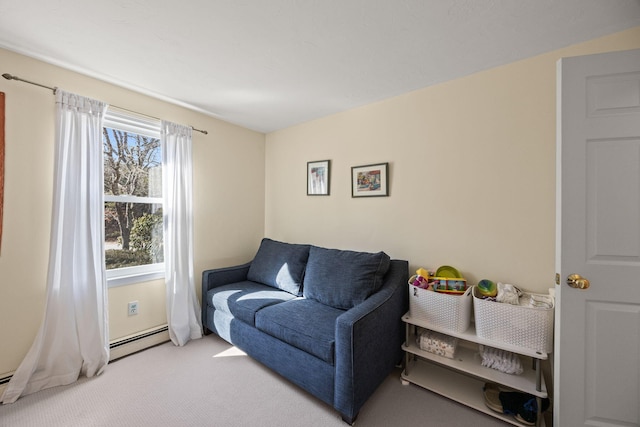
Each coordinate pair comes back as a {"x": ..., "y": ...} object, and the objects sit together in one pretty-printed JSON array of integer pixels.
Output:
[{"x": 133, "y": 308}]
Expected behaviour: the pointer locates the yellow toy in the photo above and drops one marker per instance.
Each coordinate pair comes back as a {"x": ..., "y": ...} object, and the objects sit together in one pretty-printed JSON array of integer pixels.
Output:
[
  {"x": 422, "y": 272},
  {"x": 421, "y": 278}
]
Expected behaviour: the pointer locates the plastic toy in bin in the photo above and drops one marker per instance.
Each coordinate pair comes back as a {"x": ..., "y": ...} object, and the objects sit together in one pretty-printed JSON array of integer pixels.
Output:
[
  {"x": 449, "y": 285},
  {"x": 487, "y": 288},
  {"x": 423, "y": 273},
  {"x": 449, "y": 280},
  {"x": 420, "y": 279}
]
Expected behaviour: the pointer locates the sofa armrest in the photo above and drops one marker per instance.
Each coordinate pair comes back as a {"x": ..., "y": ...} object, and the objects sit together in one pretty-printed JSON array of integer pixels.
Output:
[
  {"x": 369, "y": 341},
  {"x": 219, "y": 277}
]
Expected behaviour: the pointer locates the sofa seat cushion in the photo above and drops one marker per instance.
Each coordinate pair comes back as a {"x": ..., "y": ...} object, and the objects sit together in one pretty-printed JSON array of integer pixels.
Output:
[
  {"x": 280, "y": 265},
  {"x": 243, "y": 299},
  {"x": 343, "y": 279},
  {"x": 303, "y": 323}
]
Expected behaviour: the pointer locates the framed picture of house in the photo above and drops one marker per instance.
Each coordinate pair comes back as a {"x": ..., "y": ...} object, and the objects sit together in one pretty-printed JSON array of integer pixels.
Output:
[
  {"x": 370, "y": 180},
  {"x": 318, "y": 178}
]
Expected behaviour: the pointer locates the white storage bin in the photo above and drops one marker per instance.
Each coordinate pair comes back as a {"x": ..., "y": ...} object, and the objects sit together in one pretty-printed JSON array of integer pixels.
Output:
[
  {"x": 441, "y": 310},
  {"x": 518, "y": 325}
]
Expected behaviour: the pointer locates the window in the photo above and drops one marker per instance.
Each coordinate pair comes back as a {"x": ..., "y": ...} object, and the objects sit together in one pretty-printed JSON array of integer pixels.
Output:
[{"x": 132, "y": 198}]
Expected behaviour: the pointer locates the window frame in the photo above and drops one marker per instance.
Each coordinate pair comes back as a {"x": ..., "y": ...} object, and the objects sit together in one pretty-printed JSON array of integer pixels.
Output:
[{"x": 120, "y": 119}]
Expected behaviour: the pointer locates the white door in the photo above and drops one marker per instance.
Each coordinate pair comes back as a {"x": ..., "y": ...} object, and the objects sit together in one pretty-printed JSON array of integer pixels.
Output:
[{"x": 597, "y": 348}]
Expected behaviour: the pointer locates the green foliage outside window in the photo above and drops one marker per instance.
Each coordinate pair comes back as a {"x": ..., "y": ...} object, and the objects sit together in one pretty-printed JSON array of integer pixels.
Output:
[{"x": 145, "y": 228}]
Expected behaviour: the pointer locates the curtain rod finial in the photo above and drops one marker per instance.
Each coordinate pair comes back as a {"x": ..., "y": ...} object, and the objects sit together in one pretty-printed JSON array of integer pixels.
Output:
[{"x": 7, "y": 76}]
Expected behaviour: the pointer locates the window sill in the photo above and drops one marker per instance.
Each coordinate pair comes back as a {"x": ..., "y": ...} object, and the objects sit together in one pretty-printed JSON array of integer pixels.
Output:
[{"x": 130, "y": 279}]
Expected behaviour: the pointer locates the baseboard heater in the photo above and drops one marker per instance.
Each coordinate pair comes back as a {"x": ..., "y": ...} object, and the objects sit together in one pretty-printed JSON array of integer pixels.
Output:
[
  {"x": 125, "y": 346},
  {"x": 140, "y": 341},
  {"x": 138, "y": 337},
  {"x": 5, "y": 380}
]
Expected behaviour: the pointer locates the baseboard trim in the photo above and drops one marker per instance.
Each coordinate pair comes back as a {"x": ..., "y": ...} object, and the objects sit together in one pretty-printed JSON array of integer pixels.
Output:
[{"x": 139, "y": 341}]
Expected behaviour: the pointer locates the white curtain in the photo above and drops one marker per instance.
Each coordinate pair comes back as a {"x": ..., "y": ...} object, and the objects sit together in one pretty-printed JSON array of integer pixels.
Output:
[
  {"x": 73, "y": 338},
  {"x": 183, "y": 308}
]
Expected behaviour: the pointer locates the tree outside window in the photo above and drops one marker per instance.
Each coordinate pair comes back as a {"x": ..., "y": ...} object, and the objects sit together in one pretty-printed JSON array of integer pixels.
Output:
[{"x": 133, "y": 196}]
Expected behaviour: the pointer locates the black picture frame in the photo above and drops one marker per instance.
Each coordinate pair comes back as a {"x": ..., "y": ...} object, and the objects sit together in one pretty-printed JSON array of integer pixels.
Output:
[
  {"x": 370, "y": 180},
  {"x": 319, "y": 178}
]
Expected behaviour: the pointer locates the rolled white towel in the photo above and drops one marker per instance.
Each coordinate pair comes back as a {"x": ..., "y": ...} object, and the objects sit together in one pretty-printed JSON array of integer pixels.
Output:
[
  {"x": 540, "y": 301},
  {"x": 501, "y": 360}
]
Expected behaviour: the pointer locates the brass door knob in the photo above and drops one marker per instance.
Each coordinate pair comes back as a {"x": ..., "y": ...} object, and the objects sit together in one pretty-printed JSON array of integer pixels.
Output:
[{"x": 577, "y": 281}]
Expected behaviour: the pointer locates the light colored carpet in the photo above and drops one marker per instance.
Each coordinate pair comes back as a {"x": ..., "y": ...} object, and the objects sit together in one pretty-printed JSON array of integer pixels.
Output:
[{"x": 210, "y": 383}]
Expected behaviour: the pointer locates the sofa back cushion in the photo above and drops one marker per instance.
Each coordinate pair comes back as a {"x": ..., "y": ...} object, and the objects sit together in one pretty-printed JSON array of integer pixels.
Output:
[
  {"x": 280, "y": 265},
  {"x": 343, "y": 279}
]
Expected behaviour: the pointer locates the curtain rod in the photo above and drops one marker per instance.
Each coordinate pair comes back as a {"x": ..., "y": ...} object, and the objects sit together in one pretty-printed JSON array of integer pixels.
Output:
[{"x": 53, "y": 89}]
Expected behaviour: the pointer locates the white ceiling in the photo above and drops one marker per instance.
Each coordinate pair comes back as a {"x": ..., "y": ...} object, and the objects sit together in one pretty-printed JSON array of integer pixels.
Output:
[{"x": 270, "y": 64}]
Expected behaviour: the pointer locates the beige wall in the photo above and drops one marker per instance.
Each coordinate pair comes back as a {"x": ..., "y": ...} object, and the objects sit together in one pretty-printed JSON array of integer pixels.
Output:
[
  {"x": 228, "y": 200},
  {"x": 472, "y": 183},
  {"x": 472, "y": 173}
]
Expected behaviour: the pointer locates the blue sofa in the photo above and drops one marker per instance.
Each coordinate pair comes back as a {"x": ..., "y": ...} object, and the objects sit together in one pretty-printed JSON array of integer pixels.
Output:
[{"x": 328, "y": 320}]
